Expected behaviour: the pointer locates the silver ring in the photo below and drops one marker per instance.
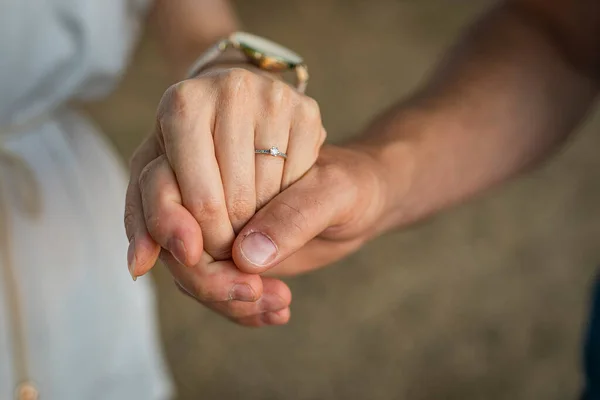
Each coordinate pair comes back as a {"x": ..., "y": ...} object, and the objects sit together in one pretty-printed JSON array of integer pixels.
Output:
[{"x": 273, "y": 151}]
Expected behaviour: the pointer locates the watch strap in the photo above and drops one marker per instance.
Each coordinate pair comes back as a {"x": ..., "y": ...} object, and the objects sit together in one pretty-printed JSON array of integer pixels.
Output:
[
  {"x": 208, "y": 57},
  {"x": 216, "y": 50}
]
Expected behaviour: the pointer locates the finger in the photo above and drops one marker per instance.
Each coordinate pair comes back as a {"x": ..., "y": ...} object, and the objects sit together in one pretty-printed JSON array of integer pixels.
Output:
[
  {"x": 143, "y": 250},
  {"x": 272, "y": 130},
  {"x": 266, "y": 311},
  {"x": 306, "y": 138},
  {"x": 169, "y": 223},
  {"x": 280, "y": 317},
  {"x": 319, "y": 200},
  {"x": 277, "y": 297},
  {"x": 274, "y": 295},
  {"x": 315, "y": 254},
  {"x": 234, "y": 149},
  {"x": 217, "y": 281},
  {"x": 186, "y": 123}
]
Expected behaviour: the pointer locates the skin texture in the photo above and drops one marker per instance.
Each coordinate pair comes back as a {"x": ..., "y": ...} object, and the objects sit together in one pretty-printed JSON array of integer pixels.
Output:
[
  {"x": 196, "y": 181},
  {"x": 505, "y": 97}
]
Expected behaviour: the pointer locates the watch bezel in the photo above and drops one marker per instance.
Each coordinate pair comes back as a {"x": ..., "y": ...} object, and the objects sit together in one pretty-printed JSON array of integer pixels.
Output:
[{"x": 269, "y": 62}]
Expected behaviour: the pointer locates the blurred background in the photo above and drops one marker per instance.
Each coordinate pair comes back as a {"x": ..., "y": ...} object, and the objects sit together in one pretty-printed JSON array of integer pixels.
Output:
[{"x": 486, "y": 301}]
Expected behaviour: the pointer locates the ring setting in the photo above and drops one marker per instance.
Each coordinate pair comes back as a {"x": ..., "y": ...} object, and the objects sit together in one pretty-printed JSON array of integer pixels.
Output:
[{"x": 273, "y": 151}]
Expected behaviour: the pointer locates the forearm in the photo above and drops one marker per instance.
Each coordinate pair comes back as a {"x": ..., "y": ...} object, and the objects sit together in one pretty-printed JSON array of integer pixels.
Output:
[
  {"x": 187, "y": 28},
  {"x": 503, "y": 99}
]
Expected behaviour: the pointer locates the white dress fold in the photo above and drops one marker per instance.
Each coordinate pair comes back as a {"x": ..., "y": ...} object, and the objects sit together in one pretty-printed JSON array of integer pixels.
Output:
[{"x": 85, "y": 330}]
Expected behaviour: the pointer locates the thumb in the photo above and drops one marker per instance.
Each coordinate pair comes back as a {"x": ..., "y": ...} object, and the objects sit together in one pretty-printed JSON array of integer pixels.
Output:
[{"x": 297, "y": 215}]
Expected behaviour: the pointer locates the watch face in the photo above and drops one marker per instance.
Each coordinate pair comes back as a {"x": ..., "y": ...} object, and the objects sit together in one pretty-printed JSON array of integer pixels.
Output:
[{"x": 266, "y": 48}]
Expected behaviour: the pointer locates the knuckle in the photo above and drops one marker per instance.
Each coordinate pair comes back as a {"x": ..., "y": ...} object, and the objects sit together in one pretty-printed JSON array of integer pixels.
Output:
[
  {"x": 323, "y": 137},
  {"x": 236, "y": 81},
  {"x": 182, "y": 92},
  {"x": 278, "y": 96},
  {"x": 206, "y": 209},
  {"x": 309, "y": 109},
  {"x": 176, "y": 101}
]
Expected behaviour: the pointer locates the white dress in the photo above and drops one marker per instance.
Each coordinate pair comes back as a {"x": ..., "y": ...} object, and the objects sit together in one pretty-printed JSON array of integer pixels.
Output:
[{"x": 71, "y": 319}]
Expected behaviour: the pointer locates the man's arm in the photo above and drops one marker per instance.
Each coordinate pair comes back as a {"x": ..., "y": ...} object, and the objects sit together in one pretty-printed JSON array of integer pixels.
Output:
[
  {"x": 513, "y": 89},
  {"x": 515, "y": 86}
]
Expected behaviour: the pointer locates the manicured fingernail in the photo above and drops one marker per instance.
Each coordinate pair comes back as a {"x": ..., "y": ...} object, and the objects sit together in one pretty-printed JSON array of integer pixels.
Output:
[
  {"x": 177, "y": 249},
  {"x": 131, "y": 259},
  {"x": 258, "y": 249},
  {"x": 242, "y": 292}
]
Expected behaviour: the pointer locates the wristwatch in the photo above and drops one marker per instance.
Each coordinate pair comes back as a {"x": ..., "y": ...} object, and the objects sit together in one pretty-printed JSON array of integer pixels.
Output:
[{"x": 261, "y": 52}]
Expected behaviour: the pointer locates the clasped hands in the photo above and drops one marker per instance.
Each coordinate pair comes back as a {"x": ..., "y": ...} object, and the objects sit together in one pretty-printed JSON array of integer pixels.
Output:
[{"x": 224, "y": 220}]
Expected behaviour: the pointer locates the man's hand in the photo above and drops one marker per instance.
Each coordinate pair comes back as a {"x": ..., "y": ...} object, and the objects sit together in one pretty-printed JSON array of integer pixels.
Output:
[
  {"x": 328, "y": 213},
  {"x": 519, "y": 81},
  {"x": 324, "y": 216}
]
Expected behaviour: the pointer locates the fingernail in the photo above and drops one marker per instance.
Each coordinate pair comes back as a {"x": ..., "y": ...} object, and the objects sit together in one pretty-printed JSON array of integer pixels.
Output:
[
  {"x": 177, "y": 249},
  {"x": 131, "y": 259},
  {"x": 272, "y": 302},
  {"x": 269, "y": 317},
  {"x": 242, "y": 292},
  {"x": 258, "y": 249},
  {"x": 275, "y": 317}
]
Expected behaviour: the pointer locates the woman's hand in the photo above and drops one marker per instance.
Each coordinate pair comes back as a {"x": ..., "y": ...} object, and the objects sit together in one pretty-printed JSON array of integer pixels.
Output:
[{"x": 197, "y": 181}]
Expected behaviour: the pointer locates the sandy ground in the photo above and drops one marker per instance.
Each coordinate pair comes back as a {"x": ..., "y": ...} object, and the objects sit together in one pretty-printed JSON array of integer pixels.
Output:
[{"x": 487, "y": 301}]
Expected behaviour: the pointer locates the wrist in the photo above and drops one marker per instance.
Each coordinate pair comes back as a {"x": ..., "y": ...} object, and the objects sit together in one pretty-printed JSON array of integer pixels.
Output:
[
  {"x": 394, "y": 146},
  {"x": 390, "y": 167},
  {"x": 364, "y": 177},
  {"x": 233, "y": 59}
]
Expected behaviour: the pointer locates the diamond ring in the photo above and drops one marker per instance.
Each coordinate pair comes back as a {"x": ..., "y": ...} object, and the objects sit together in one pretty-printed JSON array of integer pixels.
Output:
[{"x": 274, "y": 151}]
